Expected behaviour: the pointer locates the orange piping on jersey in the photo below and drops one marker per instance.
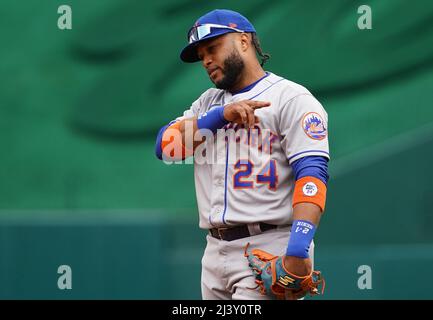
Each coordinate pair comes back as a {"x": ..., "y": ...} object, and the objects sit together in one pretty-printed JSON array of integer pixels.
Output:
[
  {"x": 172, "y": 146},
  {"x": 311, "y": 190}
]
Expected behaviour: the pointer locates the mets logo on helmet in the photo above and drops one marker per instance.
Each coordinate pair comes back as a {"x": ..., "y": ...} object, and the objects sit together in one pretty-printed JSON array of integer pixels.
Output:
[{"x": 314, "y": 126}]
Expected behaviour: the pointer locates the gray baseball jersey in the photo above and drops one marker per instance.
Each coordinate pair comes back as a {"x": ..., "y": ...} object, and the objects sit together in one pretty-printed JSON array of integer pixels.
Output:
[{"x": 252, "y": 178}]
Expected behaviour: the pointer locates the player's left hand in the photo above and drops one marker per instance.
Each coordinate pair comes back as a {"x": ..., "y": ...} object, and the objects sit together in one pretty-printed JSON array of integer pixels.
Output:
[
  {"x": 273, "y": 278},
  {"x": 297, "y": 265}
]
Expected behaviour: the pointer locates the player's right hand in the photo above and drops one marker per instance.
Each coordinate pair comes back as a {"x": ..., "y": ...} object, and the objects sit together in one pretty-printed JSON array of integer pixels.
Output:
[{"x": 242, "y": 112}]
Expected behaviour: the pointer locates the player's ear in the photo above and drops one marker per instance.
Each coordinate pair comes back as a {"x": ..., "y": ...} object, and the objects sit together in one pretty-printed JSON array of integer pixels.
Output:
[{"x": 245, "y": 41}]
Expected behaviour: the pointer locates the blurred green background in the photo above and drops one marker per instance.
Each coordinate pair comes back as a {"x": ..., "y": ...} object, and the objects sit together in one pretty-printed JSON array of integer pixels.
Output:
[{"x": 79, "y": 111}]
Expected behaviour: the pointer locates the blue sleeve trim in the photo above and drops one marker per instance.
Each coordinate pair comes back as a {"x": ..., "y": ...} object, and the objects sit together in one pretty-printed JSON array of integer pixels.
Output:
[
  {"x": 308, "y": 151},
  {"x": 212, "y": 120},
  {"x": 313, "y": 166},
  {"x": 158, "y": 149},
  {"x": 301, "y": 235}
]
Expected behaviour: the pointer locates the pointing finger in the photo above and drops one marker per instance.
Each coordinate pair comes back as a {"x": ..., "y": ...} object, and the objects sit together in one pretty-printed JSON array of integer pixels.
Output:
[{"x": 258, "y": 104}]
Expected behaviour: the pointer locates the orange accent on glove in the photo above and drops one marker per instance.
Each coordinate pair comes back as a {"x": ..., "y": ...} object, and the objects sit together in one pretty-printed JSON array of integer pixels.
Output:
[{"x": 284, "y": 285}]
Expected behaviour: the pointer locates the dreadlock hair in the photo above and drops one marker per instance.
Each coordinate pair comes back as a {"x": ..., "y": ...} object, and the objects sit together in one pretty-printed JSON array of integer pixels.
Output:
[{"x": 256, "y": 42}]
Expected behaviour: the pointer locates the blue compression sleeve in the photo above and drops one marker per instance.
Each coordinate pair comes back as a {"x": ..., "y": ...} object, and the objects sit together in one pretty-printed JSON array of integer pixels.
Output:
[
  {"x": 212, "y": 120},
  {"x": 300, "y": 239},
  {"x": 313, "y": 166}
]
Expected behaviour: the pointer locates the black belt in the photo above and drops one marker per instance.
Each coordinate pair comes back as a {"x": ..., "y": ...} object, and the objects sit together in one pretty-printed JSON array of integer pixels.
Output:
[{"x": 238, "y": 232}]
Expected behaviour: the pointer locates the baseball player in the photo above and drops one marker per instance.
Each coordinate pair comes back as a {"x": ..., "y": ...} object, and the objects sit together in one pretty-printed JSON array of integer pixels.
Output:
[{"x": 260, "y": 149}]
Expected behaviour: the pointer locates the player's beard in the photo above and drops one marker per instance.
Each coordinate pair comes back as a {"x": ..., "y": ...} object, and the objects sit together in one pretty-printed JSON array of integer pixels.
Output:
[{"x": 233, "y": 67}]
